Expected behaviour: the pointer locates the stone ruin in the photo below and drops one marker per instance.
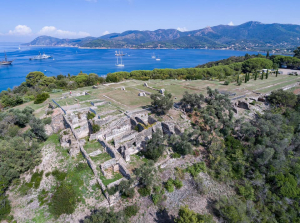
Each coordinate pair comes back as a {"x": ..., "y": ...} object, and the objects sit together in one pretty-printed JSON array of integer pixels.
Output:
[
  {"x": 142, "y": 94},
  {"x": 145, "y": 84},
  {"x": 67, "y": 140},
  {"x": 123, "y": 88},
  {"x": 162, "y": 91}
]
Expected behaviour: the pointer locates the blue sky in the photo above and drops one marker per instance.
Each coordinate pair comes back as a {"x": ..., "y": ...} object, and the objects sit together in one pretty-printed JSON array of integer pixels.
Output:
[{"x": 23, "y": 20}]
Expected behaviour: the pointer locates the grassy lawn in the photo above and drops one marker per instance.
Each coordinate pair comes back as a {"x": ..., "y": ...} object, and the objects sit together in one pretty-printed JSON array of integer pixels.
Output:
[
  {"x": 129, "y": 97},
  {"x": 101, "y": 158},
  {"x": 117, "y": 176}
]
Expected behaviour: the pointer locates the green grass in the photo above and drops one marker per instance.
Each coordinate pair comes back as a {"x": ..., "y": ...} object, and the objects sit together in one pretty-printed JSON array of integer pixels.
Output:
[
  {"x": 117, "y": 176},
  {"x": 91, "y": 146},
  {"x": 101, "y": 158}
]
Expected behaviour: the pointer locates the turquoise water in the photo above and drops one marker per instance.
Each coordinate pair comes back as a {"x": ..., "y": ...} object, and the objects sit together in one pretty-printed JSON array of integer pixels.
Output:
[{"x": 73, "y": 60}]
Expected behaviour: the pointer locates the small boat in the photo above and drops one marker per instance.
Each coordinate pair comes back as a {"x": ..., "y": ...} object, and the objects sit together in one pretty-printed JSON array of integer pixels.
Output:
[
  {"x": 119, "y": 64},
  {"x": 40, "y": 57},
  {"x": 119, "y": 54},
  {"x": 157, "y": 59},
  {"x": 153, "y": 56},
  {"x": 5, "y": 61}
]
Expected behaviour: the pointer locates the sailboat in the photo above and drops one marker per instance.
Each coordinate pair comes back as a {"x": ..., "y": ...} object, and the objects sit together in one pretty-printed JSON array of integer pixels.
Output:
[
  {"x": 153, "y": 56},
  {"x": 157, "y": 59},
  {"x": 119, "y": 64},
  {"x": 120, "y": 53},
  {"x": 5, "y": 61}
]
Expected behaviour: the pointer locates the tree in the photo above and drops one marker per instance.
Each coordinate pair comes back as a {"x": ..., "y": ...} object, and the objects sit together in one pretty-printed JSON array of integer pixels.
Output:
[
  {"x": 238, "y": 79},
  {"x": 185, "y": 215},
  {"x": 255, "y": 75},
  {"x": 161, "y": 103},
  {"x": 40, "y": 98},
  {"x": 297, "y": 52},
  {"x": 146, "y": 174},
  {"x": 283, "y": 98},
  {"x": 256, "y": 64},
  {"x": 262, "y": 75},
  {"x": 191, "y": 101},
  {"x": 154, "y": 148},
  {"x": 33, "y": 78},
  {"x": 267, "y": 74},
  {"x": 268, "y": 54}
]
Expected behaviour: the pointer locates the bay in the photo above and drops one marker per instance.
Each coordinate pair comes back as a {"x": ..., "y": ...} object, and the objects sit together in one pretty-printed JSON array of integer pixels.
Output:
[{"x": 71, "y": 60}]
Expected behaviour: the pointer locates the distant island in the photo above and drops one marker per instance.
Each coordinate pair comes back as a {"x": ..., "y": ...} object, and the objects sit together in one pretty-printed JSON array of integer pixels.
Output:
[{"x": 256, "y": 36}]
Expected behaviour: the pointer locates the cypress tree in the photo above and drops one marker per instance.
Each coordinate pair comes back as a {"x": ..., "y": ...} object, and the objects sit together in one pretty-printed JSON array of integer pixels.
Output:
[
  {"x": 255, "y": 75},
  {"x": 238, "y": 79},
  {"x": 268, "y": 54},
  {"x": 262, "y": 75},
  {"x": 246, "y": 78},
  {"x": 267, "y": 75},
  {"x": 276, "y": 72}
]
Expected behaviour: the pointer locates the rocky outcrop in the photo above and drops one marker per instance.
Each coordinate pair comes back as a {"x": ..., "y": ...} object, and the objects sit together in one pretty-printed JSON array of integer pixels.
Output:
[{"x": 243, "y": 105}]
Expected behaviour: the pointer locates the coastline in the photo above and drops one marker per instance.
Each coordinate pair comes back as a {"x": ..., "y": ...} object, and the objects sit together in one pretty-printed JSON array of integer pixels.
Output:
[{"x": 131, "y": 48}]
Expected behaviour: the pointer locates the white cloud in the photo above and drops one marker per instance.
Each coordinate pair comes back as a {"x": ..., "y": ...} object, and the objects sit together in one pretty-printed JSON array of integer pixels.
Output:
[
  {"x": 182, "y": 29},
  {"x": 231, "y": 24},
  {"x": 53, "y": 31},
  {"x": 20, "y": 30},
  {"x": 105, "y": 33}
]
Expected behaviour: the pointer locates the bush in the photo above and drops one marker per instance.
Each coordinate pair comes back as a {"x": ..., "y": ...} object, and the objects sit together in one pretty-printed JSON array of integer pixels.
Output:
[
  {"x": 40, "y": 98},
  {"x": 95, "y": 128},
  {"x": 36, "y": 179},
  {"x": 90, "y": 115},
  {"x": 47, "y": 121},
  {"x": 144, "y": 191},
  {"x": 196, "y": 168},
  {"x": 58, "y": 175},
  {"x": 227, "y": 82},
  {"x": 131, "y": 210},
  {"x": 49, "y": 112},
  {"x": 175, "y": 155},
  {"x": 63, "y": 200},
  {"x": 177, "y": 183},
  {"x": 5, "y": 207},
  {"x": 169, "y": 185}
]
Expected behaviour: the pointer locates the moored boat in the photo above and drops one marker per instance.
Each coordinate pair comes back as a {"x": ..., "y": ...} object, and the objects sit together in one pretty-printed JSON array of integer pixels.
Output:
[{"x": 5, "y": 61}]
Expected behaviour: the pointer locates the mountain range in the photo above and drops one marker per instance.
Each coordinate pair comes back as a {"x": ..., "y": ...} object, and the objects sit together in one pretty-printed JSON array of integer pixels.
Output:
[{"x": 248, "y": 36}]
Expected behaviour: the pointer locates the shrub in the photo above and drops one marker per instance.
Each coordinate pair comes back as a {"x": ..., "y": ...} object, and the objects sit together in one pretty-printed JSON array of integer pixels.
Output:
[
  {"x": 169, "y": 185},
  {"x": 36, "y": 179},
  {"x": 144, "y": 191},
  {"x": 49, "y": 112},
  {"x": 95, "y": 128},
  {"x": 40, "y": 98},
  {"x": 177, "y": 183},
  {"x": 90, "y": 115},
  {"x": 196, "y": 168},
  {"x": 227, "y": 82},
  {"x": 175, "y": 155},
  {"x": 47, "y": 121},
  {"x": 63, "y": 200},
  {"x": 5, "y": 207},
  {"x": 58, "y": 175},
  {"x": 131, "y": 210}
]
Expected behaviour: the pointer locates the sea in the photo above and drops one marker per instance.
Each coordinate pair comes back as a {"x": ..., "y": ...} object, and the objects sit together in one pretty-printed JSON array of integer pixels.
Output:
[{"x": 73, "y": 60}]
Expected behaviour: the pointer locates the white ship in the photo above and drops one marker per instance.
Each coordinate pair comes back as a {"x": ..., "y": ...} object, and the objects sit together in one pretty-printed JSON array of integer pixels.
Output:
[
  {"x": 40, "y": 57},
  {"x": 153, "y": 56},
  {"x": 119, "y": 54},
  {"x": 119, "y": 64}
]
